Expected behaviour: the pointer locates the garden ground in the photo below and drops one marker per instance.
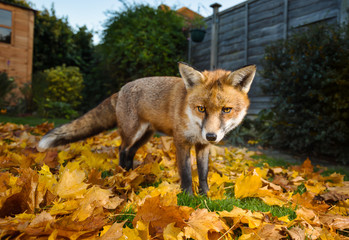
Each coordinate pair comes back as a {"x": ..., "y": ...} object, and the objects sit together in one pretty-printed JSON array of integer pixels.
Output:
[{"x": 78, "y": 192}]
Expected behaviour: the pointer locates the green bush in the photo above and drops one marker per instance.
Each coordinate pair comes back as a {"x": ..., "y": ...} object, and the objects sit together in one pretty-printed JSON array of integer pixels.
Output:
[
  {"x": 6, "y": 85},
  {"x": 308, "y": 75},
  {"x": 57, "y": 91}
]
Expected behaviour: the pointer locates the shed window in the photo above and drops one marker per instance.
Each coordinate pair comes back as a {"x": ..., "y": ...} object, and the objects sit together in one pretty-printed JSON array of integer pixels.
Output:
[{"x": 5, "y": 26}]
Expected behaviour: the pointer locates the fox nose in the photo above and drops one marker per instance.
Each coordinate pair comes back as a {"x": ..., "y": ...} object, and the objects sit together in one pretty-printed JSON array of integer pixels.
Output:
[{"x": 211, "y": 137}]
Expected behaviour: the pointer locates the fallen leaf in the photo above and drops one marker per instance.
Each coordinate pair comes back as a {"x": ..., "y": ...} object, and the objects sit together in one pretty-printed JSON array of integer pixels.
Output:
[
  {"x": 71, "y": 183},
  {"x": 247, "y": 185},
  {"x": 172, "y": 233},
  {"x": 296, "y": 233},
  {"x": 114, "y": 232},
  {"x": 201, "y": 222}
]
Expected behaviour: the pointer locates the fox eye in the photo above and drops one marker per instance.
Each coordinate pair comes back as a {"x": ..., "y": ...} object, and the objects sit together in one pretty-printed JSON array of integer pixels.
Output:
[
  {"x": 201, "y": 109},
  {"x": 226, "y": 109}
]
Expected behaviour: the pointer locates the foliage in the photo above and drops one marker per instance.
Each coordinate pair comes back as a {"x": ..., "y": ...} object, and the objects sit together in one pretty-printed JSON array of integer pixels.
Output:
[
  {"x": 141, "y": 41},
  {"x": 309, "y": 77},
  {"x": 23, "y": 3},
  {"x": 61, "y": 193},
  {"x": 53, "y": 41},
  {"x": 58, "y": 110},
  {"x": 6, "y": 85},
  {"x": 57, "y": 91}
]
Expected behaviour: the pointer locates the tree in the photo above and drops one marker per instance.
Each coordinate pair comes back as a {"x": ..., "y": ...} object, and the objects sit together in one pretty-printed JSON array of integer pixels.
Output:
[
  {"x": 141, "y": 41},
  {"x": 53, "y": 41}
]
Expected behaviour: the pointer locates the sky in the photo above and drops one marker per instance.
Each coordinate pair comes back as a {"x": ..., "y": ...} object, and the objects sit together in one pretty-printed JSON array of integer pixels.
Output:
[{"x": 93, "y": 13}]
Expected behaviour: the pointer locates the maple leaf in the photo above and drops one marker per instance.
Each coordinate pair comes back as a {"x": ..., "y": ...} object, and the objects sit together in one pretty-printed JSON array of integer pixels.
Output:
[
  {"x": 71, "y": 183},
  {"x": 201, "y": 222},
  {"x": 159, "y": 216},
  {"x": 254, "y": 220},
  {"x": 113, "y": 232},
  {"x": 173, "y": 233},
  {"x": 95, "y": 197},
  {"x": 248, "y": 185},
  {"x": 296, "y": 233}
]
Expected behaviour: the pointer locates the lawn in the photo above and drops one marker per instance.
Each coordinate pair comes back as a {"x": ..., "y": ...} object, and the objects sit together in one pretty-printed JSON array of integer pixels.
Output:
[
  {"x": 31, "y": 121},
  {"x": 77, "y": 191}
]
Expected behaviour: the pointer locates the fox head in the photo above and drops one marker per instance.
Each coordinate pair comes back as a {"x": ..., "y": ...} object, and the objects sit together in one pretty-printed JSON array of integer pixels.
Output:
[{"x": 216, "y": 100}]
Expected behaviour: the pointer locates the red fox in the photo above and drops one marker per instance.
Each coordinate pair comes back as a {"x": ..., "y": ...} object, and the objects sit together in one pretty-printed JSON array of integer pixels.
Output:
[{"x": 197, "y": 109}]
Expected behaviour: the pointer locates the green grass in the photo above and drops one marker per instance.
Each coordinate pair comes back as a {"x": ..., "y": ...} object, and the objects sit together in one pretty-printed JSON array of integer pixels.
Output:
[
  {"x": 127, "y": 214},
  {"x": 31, "y": 121},
  {"x": 272, "y": 162},
  {"x": 253, "y": 204}
]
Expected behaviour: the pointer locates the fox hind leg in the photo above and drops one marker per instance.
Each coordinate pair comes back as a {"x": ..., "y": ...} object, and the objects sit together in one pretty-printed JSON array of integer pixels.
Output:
[{"x": 129, "y": 147}]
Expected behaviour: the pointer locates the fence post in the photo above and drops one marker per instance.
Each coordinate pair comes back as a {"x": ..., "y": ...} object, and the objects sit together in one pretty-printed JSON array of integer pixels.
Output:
[
  {"x": 246, "y": 34},
  {"x": 214, "y": 36},
  {"x": 285, "y": 19}
]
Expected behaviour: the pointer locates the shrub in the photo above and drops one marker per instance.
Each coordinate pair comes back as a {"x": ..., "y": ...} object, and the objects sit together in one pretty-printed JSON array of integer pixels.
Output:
[
  {"x": 309, "y": 77},
  {"x": 57, "y": 91},
  {"x": 6, "y": 85}
]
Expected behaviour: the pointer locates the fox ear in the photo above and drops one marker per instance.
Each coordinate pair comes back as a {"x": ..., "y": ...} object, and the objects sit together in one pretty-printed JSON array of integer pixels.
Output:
[
  {"x": 189, "y": 75},
  {"x": 243, "y": 77}
]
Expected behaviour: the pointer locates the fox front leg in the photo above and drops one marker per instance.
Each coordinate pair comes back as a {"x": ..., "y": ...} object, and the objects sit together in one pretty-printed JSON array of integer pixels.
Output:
[
  {"x": 184, "y": 167},
  {"x": 202, "y": 152}
]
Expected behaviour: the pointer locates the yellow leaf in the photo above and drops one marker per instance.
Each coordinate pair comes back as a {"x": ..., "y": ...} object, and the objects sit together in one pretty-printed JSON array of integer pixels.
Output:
[
  {"x": 128, "y": 234},
  {"x": 71, "y": 183},
  {"x": 112, "y": 232},
  {"x": 64, "y": 207},
  {"x": 254, "y": 220},
  {"x": 315, "y": 187},
  {"x": 143, "y": 229},
  {"x": 270, "y": 200},
  {"x": 95, "y": 197},
  {"x": 172, "y": 233},
  {"x": 46, "y": 179},
  {"x": 248, "y": 185}
]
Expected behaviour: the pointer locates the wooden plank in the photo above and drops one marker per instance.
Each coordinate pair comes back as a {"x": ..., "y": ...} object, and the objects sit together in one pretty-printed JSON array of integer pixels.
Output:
[
  {"x": 312, "y": 18},
  {"x": 299, "y": 4},
  {"x": 246, "y": 33},
  {"x": 320, "y": 6},
  {"x": 257, "y": 15},
  {"x": 285, "y": 23},
  {"x": 266, "y": 23},
  {"x": 270, "y": 30}
]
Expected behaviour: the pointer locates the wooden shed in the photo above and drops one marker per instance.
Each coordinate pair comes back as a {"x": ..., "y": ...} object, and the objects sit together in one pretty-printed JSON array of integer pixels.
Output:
[{"x": 16, "y": 42}]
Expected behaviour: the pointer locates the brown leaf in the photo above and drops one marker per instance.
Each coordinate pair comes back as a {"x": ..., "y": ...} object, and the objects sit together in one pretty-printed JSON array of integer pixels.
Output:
[
  {"x": 296, "y": 233},
  {"x": 335, "y": 221},
  {"x": 159, "y": 216},
  {"x": 269, "y": 232},
  {"x": 283, "y": 182},
  {"x": 332, "y": 197},
  {"x": 201, "y": 222},
  {"x": 51, "y": 159}
]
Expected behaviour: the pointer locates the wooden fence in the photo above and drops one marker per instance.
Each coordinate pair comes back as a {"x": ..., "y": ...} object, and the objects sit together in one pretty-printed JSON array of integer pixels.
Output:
[{"x": 246, "y": 29}]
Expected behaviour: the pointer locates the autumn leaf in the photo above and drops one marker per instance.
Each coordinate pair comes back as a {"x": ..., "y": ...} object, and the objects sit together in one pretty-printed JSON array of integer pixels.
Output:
[
  {"x": 113, "y": 232},
  {"x": 248, "y": 185},
  {"x": 201, "y": 222},
  {"x": 78, "y": 191},
  {"x": 71, "y": 183},
  {"x": 159, "y": 216}
]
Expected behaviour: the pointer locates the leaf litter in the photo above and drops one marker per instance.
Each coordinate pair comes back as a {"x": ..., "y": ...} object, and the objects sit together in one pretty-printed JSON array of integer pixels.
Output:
[{"x": 78, "y": 191}]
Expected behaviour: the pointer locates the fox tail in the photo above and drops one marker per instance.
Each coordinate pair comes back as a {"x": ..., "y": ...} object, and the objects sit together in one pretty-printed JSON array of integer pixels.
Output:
[{"x": 100, "y": 118}]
